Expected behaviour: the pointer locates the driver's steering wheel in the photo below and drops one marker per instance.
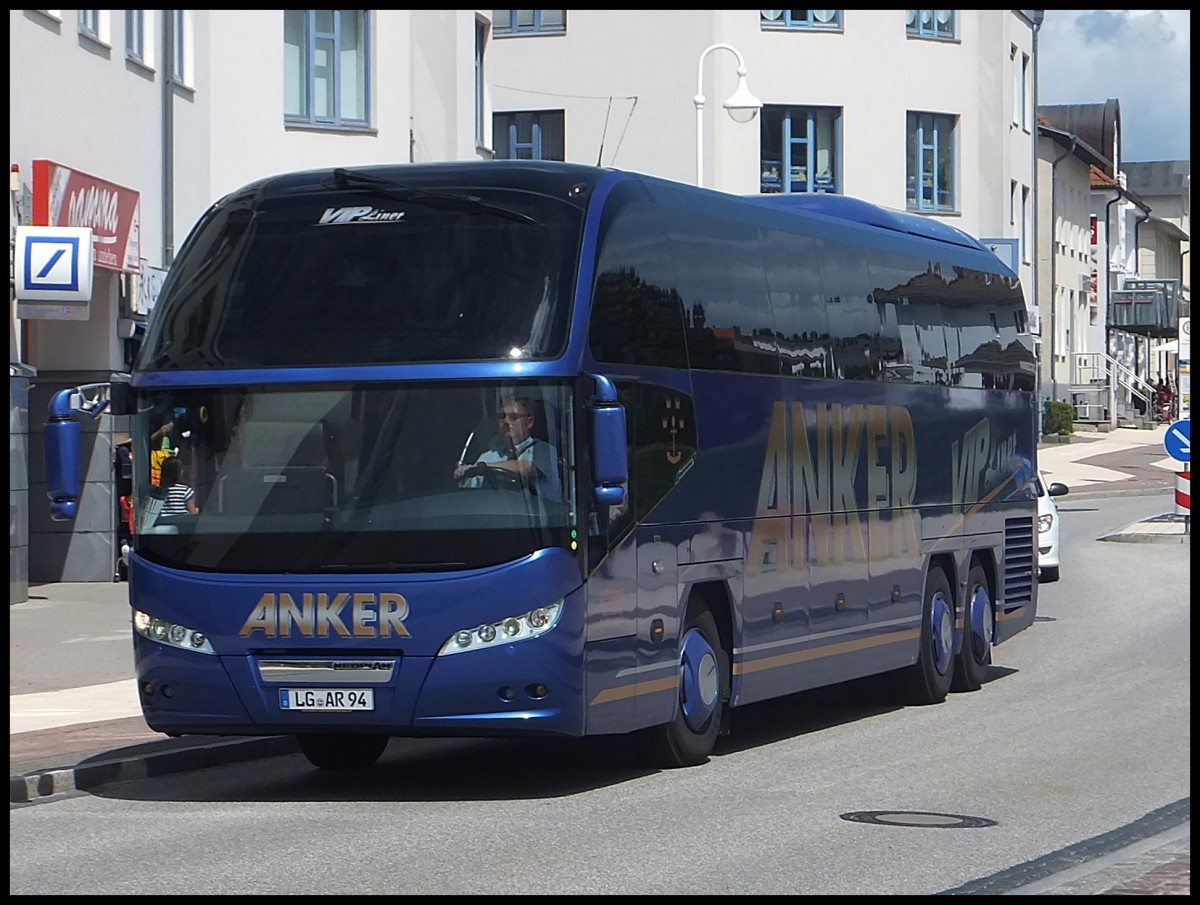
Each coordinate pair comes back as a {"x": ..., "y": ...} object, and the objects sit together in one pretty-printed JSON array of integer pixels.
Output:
[{"x": 502, "y": 478}]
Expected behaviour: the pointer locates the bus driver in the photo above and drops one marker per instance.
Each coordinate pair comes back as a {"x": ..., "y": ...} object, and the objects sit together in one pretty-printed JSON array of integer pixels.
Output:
[{"x": 531, "y": 460}]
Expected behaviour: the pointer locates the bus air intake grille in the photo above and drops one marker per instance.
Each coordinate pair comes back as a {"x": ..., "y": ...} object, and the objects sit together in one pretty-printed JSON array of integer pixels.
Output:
[{"x": 1018, "y": 560}]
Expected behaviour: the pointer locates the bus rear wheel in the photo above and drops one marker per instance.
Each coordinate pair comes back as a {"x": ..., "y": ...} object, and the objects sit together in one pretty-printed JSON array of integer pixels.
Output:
[
  {"x": 978, "y": 617},
  {"x": 928, "y": 680},
  {"x": 703, "y": 688},
  {"x": 342, "y": 752}
]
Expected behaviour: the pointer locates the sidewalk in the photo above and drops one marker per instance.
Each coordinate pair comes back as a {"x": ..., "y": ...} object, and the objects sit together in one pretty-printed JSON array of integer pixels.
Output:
[
  {"x": 75, "y": 722},
  {"x": 1125, "y": 459},
  {"x": 74, "y": 717}
]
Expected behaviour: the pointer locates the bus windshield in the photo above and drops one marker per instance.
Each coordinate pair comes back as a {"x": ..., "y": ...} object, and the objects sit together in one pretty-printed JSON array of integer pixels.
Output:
[
  {"x": 375, "y": 477},
  {"x": 368, "y": 273}
]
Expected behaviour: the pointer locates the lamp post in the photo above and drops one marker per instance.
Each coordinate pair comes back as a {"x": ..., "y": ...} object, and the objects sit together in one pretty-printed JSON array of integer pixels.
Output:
[{"x": 742, "y": 105}]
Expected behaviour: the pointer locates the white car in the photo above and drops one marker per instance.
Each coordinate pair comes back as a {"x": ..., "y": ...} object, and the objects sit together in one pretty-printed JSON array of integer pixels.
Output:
[{"x": 1048, "y": 526}]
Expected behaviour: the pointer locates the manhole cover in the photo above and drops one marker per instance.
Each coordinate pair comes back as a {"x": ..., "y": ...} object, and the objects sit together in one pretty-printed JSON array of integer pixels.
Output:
[{"x": 917, "y": 818}]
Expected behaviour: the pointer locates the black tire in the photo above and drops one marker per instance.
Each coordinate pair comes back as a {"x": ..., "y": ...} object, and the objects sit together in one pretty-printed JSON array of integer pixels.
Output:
[
  {"x": 688, "y": 739},
  {"x": 1047, "y": 574},
  {"x": 970, "y": 668},
  {"x": 342, "y": 752},
  {"x": 928, "y": 680}
]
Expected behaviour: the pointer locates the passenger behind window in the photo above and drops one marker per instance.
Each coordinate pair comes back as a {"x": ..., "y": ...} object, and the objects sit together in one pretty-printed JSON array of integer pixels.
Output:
[{"x": 178, "y": 498}]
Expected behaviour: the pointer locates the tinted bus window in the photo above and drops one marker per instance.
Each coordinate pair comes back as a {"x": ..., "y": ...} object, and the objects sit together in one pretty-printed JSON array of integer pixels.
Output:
[
  {"x": 797, "y": 303},
  {"x": 305, "y": 279},
  {"x": 637, "y": 310},
  {"x": 853, "y": 318},
  {"x": 720, "y": 278},
  {"x": 908, "y": 290}
]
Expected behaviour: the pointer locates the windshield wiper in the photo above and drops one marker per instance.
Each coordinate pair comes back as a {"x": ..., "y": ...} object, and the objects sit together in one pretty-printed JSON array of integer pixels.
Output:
[{"x": 344, "y": 179}]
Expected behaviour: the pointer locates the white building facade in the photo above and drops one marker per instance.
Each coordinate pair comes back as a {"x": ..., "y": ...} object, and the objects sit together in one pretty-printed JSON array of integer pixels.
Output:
[
  {"x": 167, "y": 111},
  {"x": 926, "y": 110}
]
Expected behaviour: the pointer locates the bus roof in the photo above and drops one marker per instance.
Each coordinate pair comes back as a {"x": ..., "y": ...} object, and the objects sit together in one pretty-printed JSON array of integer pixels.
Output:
[
  {"x": 843, "y": 207},
  {"x": 545, "y": 176},
  {"x": 575, "y": 182}
]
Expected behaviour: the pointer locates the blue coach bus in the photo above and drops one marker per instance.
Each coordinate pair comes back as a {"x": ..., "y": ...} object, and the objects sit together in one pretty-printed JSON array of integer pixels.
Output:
[{"x": 501, "y": 448}]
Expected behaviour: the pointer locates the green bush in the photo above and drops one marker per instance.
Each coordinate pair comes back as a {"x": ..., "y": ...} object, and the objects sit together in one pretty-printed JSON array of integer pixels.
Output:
[{"x": 1057, "y": 418}]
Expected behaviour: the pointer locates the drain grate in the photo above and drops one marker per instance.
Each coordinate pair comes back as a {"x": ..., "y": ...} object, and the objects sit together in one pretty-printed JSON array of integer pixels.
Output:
[{"x": 917, "y": 818}]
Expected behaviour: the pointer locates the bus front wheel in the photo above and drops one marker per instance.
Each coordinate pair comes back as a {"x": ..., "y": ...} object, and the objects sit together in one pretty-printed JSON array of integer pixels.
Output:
[
  {"x": 342, "y": 752},
  {"x": 703, "y": 688},
  {"x": 928, "y": 680}
]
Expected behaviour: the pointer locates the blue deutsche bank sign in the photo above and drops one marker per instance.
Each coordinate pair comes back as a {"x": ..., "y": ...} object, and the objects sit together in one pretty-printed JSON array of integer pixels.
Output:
[
  {"x": 53, "y": 264},
  {"x": 1178, "y": 441}
]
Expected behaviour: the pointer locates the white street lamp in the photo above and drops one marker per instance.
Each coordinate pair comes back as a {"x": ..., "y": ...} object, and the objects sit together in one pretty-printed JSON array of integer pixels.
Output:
[{"x": 742, "y": 105}]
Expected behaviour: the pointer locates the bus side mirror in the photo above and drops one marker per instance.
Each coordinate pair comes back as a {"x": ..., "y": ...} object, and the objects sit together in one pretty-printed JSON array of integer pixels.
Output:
[
  {"x": 610, "y": 451},
  {"x": 60, "y": 441}
]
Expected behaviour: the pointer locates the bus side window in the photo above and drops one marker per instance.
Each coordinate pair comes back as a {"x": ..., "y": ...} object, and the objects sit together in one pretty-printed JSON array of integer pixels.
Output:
[
  {"x": 637, "y": 311},
  {"x": 661, "y": 430}
]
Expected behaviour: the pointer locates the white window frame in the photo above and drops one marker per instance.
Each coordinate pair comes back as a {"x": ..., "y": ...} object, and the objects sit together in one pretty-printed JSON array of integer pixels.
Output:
[
  {"x": 812, "y": 20},
  {"x": 802, "y": 144},
  {"x": 933, "y": 139},
  {"x": 1023, "y": 77},
  {"x": 535, "y": 146},
  {"x": 181, "y": 68},
  {"x": 96, "y": 25},
  {"x": 1025, "y": 224},
  {"x": 481, "y": 37},
  {"x": 338, "y": 117},
  {"x": 1014, "y": 77},
  {"x": 526, "y": 22},
  {"x": 919, "y": 25},
  {"x": 137, "y": 20}
]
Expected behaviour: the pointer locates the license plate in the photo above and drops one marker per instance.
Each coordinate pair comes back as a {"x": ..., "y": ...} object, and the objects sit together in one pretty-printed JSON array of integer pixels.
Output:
[{"x": 332, "y": 700}]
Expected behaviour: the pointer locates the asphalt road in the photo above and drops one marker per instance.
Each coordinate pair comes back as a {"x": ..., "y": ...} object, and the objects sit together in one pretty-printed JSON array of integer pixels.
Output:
[{"x": 1077, "y": 749}]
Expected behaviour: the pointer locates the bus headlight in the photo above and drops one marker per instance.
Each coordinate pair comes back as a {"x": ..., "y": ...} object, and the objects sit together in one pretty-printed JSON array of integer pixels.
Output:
[
  {"x": 171, "y": 634},
  {"x": 536, "y": 622}
]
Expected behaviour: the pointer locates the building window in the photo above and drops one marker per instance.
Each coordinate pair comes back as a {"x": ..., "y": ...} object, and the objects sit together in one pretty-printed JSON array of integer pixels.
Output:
[
  {"x": 89, "y": 23},
  {"x": 135, "y": 34},
  {"x": 177, "y": 25},
  {"x": 529, "y": 21},
  {"x": 480, "y": 83},
  {"x": 325, "y": 66},
  {"x": 1013, "y": 55},
  {"x": 533, "y": 135},
  {"x": 930, "y": 23},
  {"x": 1024, "y": 91},
  {"x": 930, "y": 162},
  {"x": 1026, "y": 216},
  {"x": 801, "y": 149},
  {"x": 179, "y": 57},
  {"x": 94, "y": 24},
  {"x": 801, "y": 18}
]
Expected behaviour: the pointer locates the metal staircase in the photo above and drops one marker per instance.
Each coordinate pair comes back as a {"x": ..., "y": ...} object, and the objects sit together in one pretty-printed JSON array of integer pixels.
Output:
[{"x": 1107, "y": 394}]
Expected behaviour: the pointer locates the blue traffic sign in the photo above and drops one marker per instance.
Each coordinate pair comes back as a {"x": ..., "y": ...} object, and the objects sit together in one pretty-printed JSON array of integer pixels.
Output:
[{"x": 1178, "y": 441}]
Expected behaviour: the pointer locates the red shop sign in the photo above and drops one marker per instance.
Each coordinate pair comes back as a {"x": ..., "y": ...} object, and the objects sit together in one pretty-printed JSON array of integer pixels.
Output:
[{"x": 66, "y": 197}]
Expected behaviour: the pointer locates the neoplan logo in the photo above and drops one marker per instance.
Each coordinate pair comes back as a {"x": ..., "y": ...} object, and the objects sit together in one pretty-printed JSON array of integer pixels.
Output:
[{"x": 335, "y": 216}]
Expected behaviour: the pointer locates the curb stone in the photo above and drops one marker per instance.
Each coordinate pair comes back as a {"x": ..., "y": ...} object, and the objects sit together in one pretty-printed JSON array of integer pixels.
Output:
[{"x": 106, "y": 770}]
